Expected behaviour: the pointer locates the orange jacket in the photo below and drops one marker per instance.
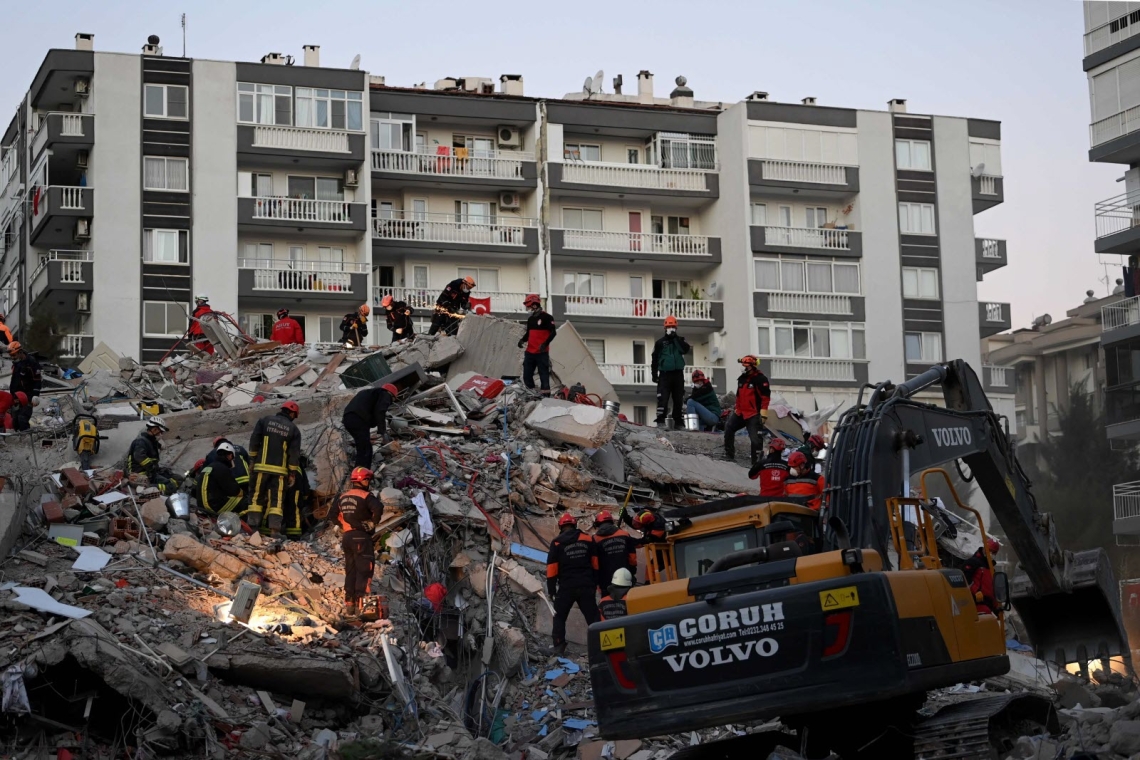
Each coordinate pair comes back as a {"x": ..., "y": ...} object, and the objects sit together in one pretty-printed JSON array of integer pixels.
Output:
[{"x": 809, "y": 485}]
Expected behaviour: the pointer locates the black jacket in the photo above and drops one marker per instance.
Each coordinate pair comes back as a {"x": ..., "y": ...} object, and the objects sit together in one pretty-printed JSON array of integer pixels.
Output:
[
  {"x": 454, "y": 298},
  {"x": 399, "y": 317},
  {"x": 26, "y": 376},
  {"x": 371, "y": 406},
  {"x": 616, "y": 549},
  {"x": 353, "y": 329},
  {"x": 143, "y": 455},
  {"x": 275, "y": 445},
  {"x": 660, "y": 346},
  {"x": 357, "y": 510},
  {"x": 241, "y": 463},
  {"x": 612, "y": 605},
  {"x": 217, "y": 485},
  {"x": 572, "y": 561}
]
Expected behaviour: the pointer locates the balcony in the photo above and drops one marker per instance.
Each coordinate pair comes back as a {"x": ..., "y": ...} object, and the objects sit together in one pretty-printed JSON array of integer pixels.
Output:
[
  {"x": 1120, "y": 320},
  {"x": 60, "y": 278},
  {"x": 987, "y": 191},
  {"x": 993, "y": 318},
  {"x": 633, "y": 182},
  {"x": 636, "y": 313},
  {"x": 989, "y": 254},
  {"x": 423, "y": 299},
  {"x": 450, "y": 233},
  {"x": 997, "y": 379},
  {"x": 813, "y": 305},
  {"x": 1122, "y": 411},
  {"x": 266, "y": 213},
  {"x": 806, "y": 240},
  {"x": 76, "y": 346},
  {"x": 266, "y": 282},
  {"x": 806, "y": 370},
  {"x": 805, "y": 179},
  {"x": 64, "y": 131},
  {"x": 266, "y": 144},
  {"x": 681, "y": 252},
  {"x": 1126, "y": 508},
  {"x": 1118, "y": 224},
  {"x": 1106, "y": 35},
  {"x": 1115, "y": 139},
  {"x": 455, "y": 168},
  {"x": 56, "y": 210},
  {"x": 637, "y": 379}
]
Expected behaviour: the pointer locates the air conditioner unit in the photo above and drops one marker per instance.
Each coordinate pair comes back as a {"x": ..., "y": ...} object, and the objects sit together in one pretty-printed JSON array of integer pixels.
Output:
[
  {"x": 81, "y": 159},
  {"x": 82, "y": 87},
  {"x": 509, "y": 200},
  {"x": 83, "y": 302},
  {"x": 350, "y": 179},
  {"x": 82, "y": 229},
  {"x": 508, "y": 137}
]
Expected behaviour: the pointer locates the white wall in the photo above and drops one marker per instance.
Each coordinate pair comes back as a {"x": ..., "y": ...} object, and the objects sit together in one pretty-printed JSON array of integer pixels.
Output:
[
  {"x": 213, "y": 179},
  {"x": 115, "y": 174},
  {"x": 730, "y": 217},
  {"x": 956, "y": 239}
]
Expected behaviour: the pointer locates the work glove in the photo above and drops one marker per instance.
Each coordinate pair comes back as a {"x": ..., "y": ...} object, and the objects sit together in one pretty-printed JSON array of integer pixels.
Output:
[
  {"x": 522, "y": 342},
  {"x": 979, "y": 597},
  {"x": 654, "y": 378},
  {"x": 552, "y": 587},
  {"x": 754, "y": 471}
]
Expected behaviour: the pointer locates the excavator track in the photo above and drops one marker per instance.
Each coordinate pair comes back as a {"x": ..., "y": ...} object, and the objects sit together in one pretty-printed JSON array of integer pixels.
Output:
[{"x": 980, "y": 726}]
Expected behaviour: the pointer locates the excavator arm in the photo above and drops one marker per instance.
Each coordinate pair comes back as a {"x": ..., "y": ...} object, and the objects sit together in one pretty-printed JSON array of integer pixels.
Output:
[{"x": 1067, "y": 601}]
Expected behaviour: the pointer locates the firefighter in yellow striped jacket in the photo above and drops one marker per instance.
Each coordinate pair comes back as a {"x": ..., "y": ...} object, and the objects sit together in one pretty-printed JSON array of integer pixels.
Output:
[
  {"x": 218, "y": 489},
  {"x": 275, "y": 454},
  {"x": 142, "y": 459}
]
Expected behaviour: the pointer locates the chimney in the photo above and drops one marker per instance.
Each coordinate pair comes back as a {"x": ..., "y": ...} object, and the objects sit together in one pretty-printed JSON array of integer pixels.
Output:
[
  {"x": 376, "y": 79},
  {"x": 85, "y": 41},
  {"x": 152, "y": 47},
  {"x": 312, "y": 55},
  {"x": 808, "y": 101},
  {"x": 273, "y": 58},
  {"x": 511, "y": 84},
  {"x": 447, "y": 83},
  {"x": 897, "y": 105},
  {"x": 757, "y": 95},
  {"x": 617, "y": 84},
  {"x": 644, "y": 87},
  {"x": 682, "y": 94}
]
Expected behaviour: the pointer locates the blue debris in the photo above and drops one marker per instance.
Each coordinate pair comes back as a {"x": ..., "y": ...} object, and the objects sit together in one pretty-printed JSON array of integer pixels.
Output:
[
  {"x": 549, "y": 693},
  {"x": 538, "y": 715},
  {"x": 570, "y": 665},
  {"x": 552, "y": 674},
  {"x": 578, "y": 724},
  {"x": 525, "y": 551},
  {"x": 542, "y": 731}
]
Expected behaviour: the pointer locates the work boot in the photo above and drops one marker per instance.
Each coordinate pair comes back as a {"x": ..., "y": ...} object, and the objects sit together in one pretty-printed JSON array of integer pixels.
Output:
[
  {"x": 273, "y": 522},
  {"x": 556, "y": 650},
  {"x": 350, "y": 608}
]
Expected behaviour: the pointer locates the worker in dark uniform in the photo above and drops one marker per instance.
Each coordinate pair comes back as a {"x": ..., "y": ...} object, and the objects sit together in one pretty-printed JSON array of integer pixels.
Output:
[
  {"x": 811, "y": 449},
  {"x": 981, "y": 578},
  {"x": 571, "y": 577},
  {"x": 218, "y": 490},
  {"x": 354, "y": 327},
  {"x": 703, "y": 401},
  {"x": 27, "y": 378},
  {"x": 398, "y": 318},
  {"x": 652, "y": 526},
  {"x": 616, "y": 549},
  {"x": 751, "y": 410},
  {"x": 357, "y": 511},
  {"x": 803, "y": 481},
  {"x": 773, "y": 471},
  {"x": 195, "y": 332},
  {"x": 667, "y": 370},
  {"x": 240, "y": 465},
  {"x": 287, "y": 330},
  {"x": 612, "y": 605},
  {"x": 142, "y": 458},
  {"x": 275, "y": 452},
  {"x": 368, "y": 409},
  {"x": 540, "y": 332},
  {"x": 453, "y": 302}
]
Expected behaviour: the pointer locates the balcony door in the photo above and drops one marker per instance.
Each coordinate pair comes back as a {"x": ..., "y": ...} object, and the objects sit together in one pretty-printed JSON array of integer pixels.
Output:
[{"x": 635, "y": 230}]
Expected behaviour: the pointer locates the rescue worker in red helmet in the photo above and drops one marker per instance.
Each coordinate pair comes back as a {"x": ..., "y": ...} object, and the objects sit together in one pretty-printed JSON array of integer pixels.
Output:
[
  {"x": 540, "y": 331},
  {"x": 612, "y": 605},
  {"x": 616, "y": 549},
  {"x": 275, "y": 452},
  {"x": 287, "y": 330},
  {"x": 773, "y": 471},
  {"x": 980, "y": 575},
  {"x": 811, "y": 449},
  {"x": 703, "y": 401},
  {"x": 651, "y": 525},
  {"x": 398, "y": 318},
  {"x": 10, "y": 406},
  {"x": 667, "y": 369},
  {"x": 357, "y": 511},
  {"x": 802, "y": 481},
  {"x": 751, "y": 410},
  {"x": 571, "y": 577},
  {"x": 368, "y": 409}
]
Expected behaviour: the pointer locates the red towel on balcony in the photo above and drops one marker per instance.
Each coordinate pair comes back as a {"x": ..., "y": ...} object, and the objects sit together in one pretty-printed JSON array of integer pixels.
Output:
[
  {"x": 640, "y": 306},
  {"x": 480, "y": 305}
]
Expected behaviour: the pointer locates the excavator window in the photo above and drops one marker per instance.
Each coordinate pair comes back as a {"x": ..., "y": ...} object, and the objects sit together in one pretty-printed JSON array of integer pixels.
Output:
[{"x": 696, "y": 555}]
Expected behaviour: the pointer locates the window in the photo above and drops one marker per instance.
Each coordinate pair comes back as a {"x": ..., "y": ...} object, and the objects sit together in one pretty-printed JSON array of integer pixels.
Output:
[
  {"x": 798, "y": 276},
  {"x": 919, "y": 282},
  {"x": 811, "y": 340},
  {"x": 383, "y": 209},
  {"x": 912, "y": 154},
  {"x": 796, "y": 144},
  {"x": 639, "y": 352},
  {"x": 487, "y": 280},
  {"x": 164, "y": 319},
  {"x": 597, "y": 347},
  {"x": 696, "y": 556},
  {"x": 394, "y": 131},
  {"x": 252, "y": 185},
  {"x": 582, "y": 218},
  {"x": 1116, "y": 90},
  {"x": 257, "y": 254},
  {"x": 257, "y": 325},
  {"x": 419, "y": 276},
  {"x": 265, "y": 104},
  {"x": 166, "y": 173},
  {"x": 676, "y": 288},
  {"x": 916, "y": 218},
  {"x": 419, "y": 209},
  {"x": 581, "y": 152},
  {"x": 166, "y": 101},
  {"x": 922, "y": 347},
  {"x": 677, "y": 150},
  {"x": 385, "y": 276},
  {"x": 637, "y": 288},
  {"x": 327, "y": 330},
  {"x": 785, "y": 216},
  {"x": 476, "y": 147},
  {"x": 331, "y": 258},
  {"x": 759, "y": 214},
  {"x": 474, "y": 212},
  {"x": 166, "y": 247},
  {"x": 330, "y": 109},
  {"x": 641, "y": 415},
  {"x": 321, "y": 188},
  {"x": 989, "y": 154},
  {"x": 815, "y": 217},
  {"x": 633, "y": 155},
  {"x": 583, "y": 284}
]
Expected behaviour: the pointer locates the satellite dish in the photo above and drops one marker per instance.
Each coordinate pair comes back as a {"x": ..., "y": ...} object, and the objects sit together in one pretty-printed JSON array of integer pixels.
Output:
[
  {"x": 588, "y": 86},
  {"x": 355, "y": 62},
  {"x": 978, "y": 170},
  {"x": 598, "y": 80}
]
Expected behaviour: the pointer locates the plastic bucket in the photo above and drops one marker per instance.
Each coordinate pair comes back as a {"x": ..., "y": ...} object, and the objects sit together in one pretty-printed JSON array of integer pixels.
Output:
[{"x": 179, "y": 504}]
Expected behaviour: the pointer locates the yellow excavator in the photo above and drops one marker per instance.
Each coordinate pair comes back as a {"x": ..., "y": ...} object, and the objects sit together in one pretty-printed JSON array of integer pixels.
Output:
[{"x": 840, "y": 622}]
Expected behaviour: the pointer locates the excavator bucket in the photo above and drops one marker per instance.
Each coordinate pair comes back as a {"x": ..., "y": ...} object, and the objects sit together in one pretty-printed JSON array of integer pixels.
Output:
[{"x": 1079, "y": 625}]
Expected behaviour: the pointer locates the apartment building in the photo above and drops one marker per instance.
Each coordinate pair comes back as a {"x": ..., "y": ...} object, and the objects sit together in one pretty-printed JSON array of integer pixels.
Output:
[{"x": 837, "y": 244}]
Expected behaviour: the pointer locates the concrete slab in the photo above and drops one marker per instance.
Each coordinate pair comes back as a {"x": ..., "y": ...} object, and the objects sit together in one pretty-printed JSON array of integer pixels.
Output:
[
  {"x": 490, "y": 347},
  {"x": 573, "y": 363},
  {"x": 576, "y": 628},
  {"x": 610, "y": 461},
  {"x": 660, "y": 466},
  {"x": 103, "y": 357},
  {"x": 12, "y": 515},
  {"x": 566, "y": 422},
  {"x": 429, "y": 351}
]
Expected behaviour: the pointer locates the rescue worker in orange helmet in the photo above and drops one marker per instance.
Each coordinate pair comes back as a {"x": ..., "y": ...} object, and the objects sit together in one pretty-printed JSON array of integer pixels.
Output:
[
  {"x": 357, "y": 511},
  {"x": 571, "y": 577},
  {"x": 27, "y": 377},
  {"x": 453, "y": 302},
  {"x": 980, "y": 576},
  {"x": 751, "y": 410},
  {"x": 773, "y": 471},
  {"x": 195, "y": 332},
  {"x": 398, "y": 318},
  {"x": 354, "y": 327},
  {"x": 540, "y": 331},
  {"x": 667, "y": 370},
  {"x": 803, "y": 481}
]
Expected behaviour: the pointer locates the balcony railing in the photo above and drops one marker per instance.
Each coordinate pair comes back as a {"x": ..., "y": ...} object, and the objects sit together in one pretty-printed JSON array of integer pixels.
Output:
[
  {"x": 70, "y": 125},
  {"x": 453, "y": 162},
  {"x": 424, "y": 298},
  {"x": 638, "y": 374},
  {"x": 302, "y": 210},
  {"x": 810, "y": 303},
  {"x": 807, "y": 237},
  {"x": 302, "y": 276},
  {"x": 999, "y": 376},
  {"x": 1126, "y": 500},
  {"x": 634, "y": 175},
  {"x": 987, "y": 184},
  {"x": 1117, "y": 214},
  {"x": 301, "y": 138},
  {"x": 1117, "y": 125},
  {"x": 648, "y": 308},
  {"x": 305, "y": 265},
  {"x": 71, "y": 347},
  {"x": 991, "y": 249},
  {"x": 803, "y": 171},
  {"x": 1117, "y": 30},
  {"x": 450, "y": 228},
  {"x": 71, "y": 270},
  {"x": 636, "y": 242},
  {"x": 812, "y": 369},
  {"x": 1120, "y": 314}
]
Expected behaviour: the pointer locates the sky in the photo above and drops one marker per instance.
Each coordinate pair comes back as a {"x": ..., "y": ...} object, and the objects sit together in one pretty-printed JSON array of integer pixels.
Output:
[{"x": 1017, "y": 61}]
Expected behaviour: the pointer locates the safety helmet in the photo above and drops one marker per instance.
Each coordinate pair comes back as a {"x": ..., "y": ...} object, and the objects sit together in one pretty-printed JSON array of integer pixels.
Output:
[
  {"x": 15, "y": 347},
  {"x": 698, "y": 376},
  {"x": 201, "y": 298},
  {"x": 469, "y": 281},
  {"x": 993, "y": 545},
  {"x": 220, "y": 440},
  {"x": 391, "y": 389},
  {"x": 532, "y": 300},
  {"x": 156, "y": 423},
  {"x": 816, "y": 442},
  {"x": 386, "y": 301},
  {"x": 361, "y": 475},
  {"x": 22, "y": 398},
  {"x": 603, "y": 517},
  {"x": 566, "y": 519},
  {"x": 226, "y": 448},
  {"x": 282, "y": 313},
  {"x": 670, "y": 321},
  {"x": 291, "y": 406},
  {"x": 748, "y": 361},
  {"x": 777, "y": 444},
  {"x": 622, "y": 577},
  {"x": 364, "y": 310},
  {"x": 797, "y": 459},
  {"x": 645, "y": 518}
]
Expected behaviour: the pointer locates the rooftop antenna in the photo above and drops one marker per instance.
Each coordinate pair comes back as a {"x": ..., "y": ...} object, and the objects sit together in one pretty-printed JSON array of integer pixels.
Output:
[
  {"x": 355, "y": 62},
  {"x": 183, "y": 35},
  {"x": 588, "y": 87},
  {"x": 598, "y": 81},
  {"x": 978, "y": 170}
]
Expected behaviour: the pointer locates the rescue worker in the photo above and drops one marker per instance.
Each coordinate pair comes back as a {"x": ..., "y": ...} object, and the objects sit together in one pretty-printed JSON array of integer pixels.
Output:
[
  {"x": 10, "y": 405},
  {"x": 571, "y": 577},
  {"x": 298, "y": 496},
  {"x": 195, "y": 332},
  {"x": 143, "y": 456},
  {"x": 287, "y": 330},
  {"x": 5, "y": 333},
  {"x": 616, "y": 549},
  {"x": 218, "y": 489},
  {"x": 612, "y": 605},
  {"x": 454, "y": 301},
  {"x": 811, "y": 449},
  {"x": 668, "y": 372},
  {"x": 240, "y": 465},
  {"x": 275, "y": 451},
  {"x": 703, "y": 401},
  {"x": 751, "y": 410},
  {"x": 398, "y": 317},
  {"x": 27, "y": 379},
  {"x": 368, "y": 409},
  {"x": 652, "y": 526},
  {"x": 354, "y": 327},
  {"x": 539, "y": 333},
  {"x": 357, "y": 511},
  {"x": 802, "y": 481},
  {"x": 773, "y": 471},
  {"x": 981, "y": 578}
]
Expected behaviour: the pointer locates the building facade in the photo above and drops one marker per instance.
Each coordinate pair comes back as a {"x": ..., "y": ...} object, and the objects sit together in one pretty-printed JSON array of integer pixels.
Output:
[{"x": 836, "y": 244}]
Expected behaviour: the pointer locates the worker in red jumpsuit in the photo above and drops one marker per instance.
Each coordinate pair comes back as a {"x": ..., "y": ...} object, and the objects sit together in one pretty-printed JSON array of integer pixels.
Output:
[
  {"x": 196, "y": 334},
  {"x": 773, "y": 471},
  {"x": 10, "y": 403},
  {"x": 287, "y": 330},
  {"x": 803, "y": 481},
  {"x": 751, "y": 411},
  {"x": 981, "y": 577}
]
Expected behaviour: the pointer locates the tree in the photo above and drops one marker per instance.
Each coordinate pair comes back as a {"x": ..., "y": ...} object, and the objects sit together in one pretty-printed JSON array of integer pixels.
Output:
[{"x": 44, "y": 334}]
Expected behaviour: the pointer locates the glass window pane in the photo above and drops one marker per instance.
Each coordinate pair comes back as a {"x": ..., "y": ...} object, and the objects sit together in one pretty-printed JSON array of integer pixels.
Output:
[
  {"x": 840, "y": 343},
  {"x": 302, "y": 187},
  {"x": 820, "y": 342},
  {"x": 793, "y": 276},
  {"x": 355, "y": 115},
  {"x": 819, "y": 278},
  {"x": 245, "y": 108},
  {"x": 910, "y": 283},
  {"x": 154, "y": 100},
  {"x": 759, "y": 214},
  {"x": 154, "y": 318},
  {"x": 245, "y": 87},
  {"x": 305, "y": 111},
  {"x": 488, "y": 280},
  {"x": 847, "y": 278},
  {"x": 902, "y": 154},
  {"x": 176, "y": 178},
  {"x": 784, "y": 343},
  {"x": 932, "y": 347},
  {"x": 767, "y": 274},
  {"x": 858, "y": 344},
  {"x": 283, "y": 110},
  {"x": 329, "y": 189},
  {"x": 154, "y": 173},
  {"x": 572, "y": 218},
  {"x": 569, "y": 280},
  {"x": 598, "y": 284},
  {"x": 591, "y": 153},
  {"x": 337, "y": 114},
  {"x": 176, "y": 320},
  {"x": 928, "y": 218},
  {"x": 912, "y": 343},
  {"x": 420, "y": 277},
  {"x": 785, "y": 216},
  {"x": 765, "y": 340},
  {"x": 321, "y": 114},
  {"x": 176, "y": 102},
  {"x": 591, "y": 219},
  {"x": 922, "y": 155},
  {"x": 929, "y": 284},
  {"x": 802, "y": 340}
]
